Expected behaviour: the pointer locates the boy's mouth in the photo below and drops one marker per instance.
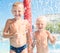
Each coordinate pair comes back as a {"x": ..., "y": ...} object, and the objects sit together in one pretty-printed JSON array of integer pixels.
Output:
[
  {"x": 40, "y": 27},
  {"x": 17, "y": 15}
]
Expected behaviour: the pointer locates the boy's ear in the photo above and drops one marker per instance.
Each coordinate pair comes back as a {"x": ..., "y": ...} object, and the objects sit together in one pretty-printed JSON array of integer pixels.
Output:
[{"x": 25, "y": 9}]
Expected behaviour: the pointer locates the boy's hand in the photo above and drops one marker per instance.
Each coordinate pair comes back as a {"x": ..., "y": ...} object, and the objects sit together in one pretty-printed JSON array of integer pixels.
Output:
[
  {"x": 54, "y": 39},
  {"x": 13, "y": 34}
]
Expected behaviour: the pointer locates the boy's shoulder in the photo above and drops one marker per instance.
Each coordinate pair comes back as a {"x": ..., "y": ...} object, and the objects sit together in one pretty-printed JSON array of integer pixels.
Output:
[
  {"x": 26, "y": 21},
  {"x": 47, "y": 32},
  {"x": 9, "y": 20}
]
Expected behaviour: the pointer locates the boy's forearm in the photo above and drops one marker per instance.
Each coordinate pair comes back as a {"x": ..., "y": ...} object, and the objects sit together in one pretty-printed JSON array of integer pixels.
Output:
[
  {"x": 33, "y": 45},
  {"x": 29, "y": 41},
  {"x": 53, "y": 40},
  {"x": 7, "y": 35}
]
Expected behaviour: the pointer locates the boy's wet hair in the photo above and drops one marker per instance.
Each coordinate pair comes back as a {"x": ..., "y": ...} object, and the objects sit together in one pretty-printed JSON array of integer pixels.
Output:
[
  {"x": 43, "y": 18},
  {"x": 17, "y": 3}
]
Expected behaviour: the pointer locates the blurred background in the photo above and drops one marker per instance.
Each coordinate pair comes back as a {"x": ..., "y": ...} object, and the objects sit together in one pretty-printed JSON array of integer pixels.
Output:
[{"x": 48, "y": 8}]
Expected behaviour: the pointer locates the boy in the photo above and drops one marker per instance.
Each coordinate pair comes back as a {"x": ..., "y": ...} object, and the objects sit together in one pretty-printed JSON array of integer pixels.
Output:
[
  {"x": 41, "y": 36},
  {"x": 16, "y": 29}
]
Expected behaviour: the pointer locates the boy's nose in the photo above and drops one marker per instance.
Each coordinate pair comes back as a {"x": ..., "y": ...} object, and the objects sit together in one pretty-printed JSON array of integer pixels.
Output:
[
  {"x": 17, "y": 12},
  {"x": 40, "y": 25}
]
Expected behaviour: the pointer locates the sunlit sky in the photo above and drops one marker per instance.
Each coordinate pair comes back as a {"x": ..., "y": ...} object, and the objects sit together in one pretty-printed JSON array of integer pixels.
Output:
[{"x": 39, "y": 7}]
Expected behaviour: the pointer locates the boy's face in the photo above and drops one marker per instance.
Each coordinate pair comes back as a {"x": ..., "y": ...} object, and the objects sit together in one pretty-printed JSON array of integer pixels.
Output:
[
  {"x": 41, "y": 24},
  {"x": 18, "y": 11}
]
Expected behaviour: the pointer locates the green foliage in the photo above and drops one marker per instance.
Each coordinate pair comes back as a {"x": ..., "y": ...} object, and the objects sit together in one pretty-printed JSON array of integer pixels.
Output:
[
  {"x": 58, "y": 27},
  {"x": 50, "y": 27},
  {"x": 53, "y": 27}
]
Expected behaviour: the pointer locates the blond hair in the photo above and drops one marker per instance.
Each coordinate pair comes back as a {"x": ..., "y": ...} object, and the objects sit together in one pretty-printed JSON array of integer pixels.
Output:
[
  {"x": 17, "y": 4},
  {"x": 41, "y": 18}
]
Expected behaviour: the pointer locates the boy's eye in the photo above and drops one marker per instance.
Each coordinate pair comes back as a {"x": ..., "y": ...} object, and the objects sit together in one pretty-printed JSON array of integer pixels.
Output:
[
  {"x": 14, "y": 10},
  {"x": 41, "y": 24},
  {"x": 19, "y": 11},
  {"x": 38, "y": 24}
]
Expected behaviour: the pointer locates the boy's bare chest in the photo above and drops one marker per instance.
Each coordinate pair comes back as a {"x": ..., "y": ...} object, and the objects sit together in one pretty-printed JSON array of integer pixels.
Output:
[
  {"x": 41, "y": 36},
  {"x": 18, "y": 26},
  {"x": 19, "y": 23}
]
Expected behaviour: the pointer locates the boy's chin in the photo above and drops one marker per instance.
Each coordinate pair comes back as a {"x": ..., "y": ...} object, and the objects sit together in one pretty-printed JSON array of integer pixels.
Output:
[{"x": 16, "y": 18}]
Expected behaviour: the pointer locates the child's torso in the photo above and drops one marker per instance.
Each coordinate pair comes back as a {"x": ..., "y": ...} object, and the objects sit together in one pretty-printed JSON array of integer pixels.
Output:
[
  {"x": 41, "y": 40},
  {"x": 20, "y": 38}
]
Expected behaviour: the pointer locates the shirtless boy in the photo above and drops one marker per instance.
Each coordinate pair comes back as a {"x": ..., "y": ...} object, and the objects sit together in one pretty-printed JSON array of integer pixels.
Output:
[
  {"x": 41, "y": 36},
  {"x": 16, "y": 29}
]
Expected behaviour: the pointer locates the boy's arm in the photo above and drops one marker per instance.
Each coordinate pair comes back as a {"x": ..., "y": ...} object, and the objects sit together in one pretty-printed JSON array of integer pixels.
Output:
[
  {"x": 6, "y": 30},
  {"x": 29, "y": 38},
  {"x": 34, "y": 40},
  {"x": 52, "y": 38}
]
